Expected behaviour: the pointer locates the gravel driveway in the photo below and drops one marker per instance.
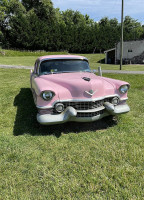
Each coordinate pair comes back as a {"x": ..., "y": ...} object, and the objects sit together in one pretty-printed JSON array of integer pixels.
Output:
[{"x": 104, "y": 71}]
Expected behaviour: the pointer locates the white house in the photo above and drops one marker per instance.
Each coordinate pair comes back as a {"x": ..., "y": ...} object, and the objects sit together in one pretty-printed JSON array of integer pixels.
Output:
[{"x": 133, "y": 53}]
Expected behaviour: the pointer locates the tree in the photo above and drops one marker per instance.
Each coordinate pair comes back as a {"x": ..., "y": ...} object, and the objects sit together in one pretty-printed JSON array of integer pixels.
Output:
[
  {"x": 37, "y": 25},
  {"x": 132, "y": 29},
  {"x": 109, "y": 33},
  {"x": 4, "y": 18},
  {"x": 32, "y": 24}
]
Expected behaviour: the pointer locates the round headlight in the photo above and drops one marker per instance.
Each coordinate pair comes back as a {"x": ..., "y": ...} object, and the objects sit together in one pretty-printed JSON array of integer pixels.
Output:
[
  {"x": 123, "y": 89},
  {"x": 115, "y": 101},
  {"x": 47, "y": 95},
  {"x": 59, "y": 107}
]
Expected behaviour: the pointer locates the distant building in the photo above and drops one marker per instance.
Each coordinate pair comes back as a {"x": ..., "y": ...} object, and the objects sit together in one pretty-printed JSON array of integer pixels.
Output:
[
  {"x": 110, "y": 56},
  {"x": 133, "y": 53}
]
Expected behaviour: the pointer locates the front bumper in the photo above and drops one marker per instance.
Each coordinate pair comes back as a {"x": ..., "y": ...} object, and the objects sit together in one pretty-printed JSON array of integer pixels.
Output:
[{"x": 70, "y": 114}]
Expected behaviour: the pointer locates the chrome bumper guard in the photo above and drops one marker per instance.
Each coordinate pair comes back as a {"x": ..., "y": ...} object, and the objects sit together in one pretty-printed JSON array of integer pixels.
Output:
[{"x": 70, "y": 114}]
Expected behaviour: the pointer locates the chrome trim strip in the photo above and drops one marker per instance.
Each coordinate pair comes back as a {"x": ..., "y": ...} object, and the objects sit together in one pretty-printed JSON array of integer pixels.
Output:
[
  {"x": 89, "y": 100},
  {"x": 79, "y": 100},
  {"x": 91, "y": 110},
  {"x": 124, "y": 99},
  {"x": 44, "y": 107}
]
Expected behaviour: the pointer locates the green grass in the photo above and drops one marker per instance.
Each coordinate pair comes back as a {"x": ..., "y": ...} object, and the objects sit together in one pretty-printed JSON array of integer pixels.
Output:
[
  {"x": 16, "y": 53},
  {"x": 95, "y": 59},
  {"x": 27, "y": 58},
  {"x": 19, "y": 61},
  {"x": 100, "y": 160}
]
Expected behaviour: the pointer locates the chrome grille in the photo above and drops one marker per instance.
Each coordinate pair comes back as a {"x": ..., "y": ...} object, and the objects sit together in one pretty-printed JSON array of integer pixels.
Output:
[
  {"x": 86, "y": 105},
  {"x": 90, "y": 114}
]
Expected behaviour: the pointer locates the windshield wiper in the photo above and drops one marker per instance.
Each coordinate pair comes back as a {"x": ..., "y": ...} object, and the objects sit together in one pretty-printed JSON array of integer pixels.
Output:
[
  {"x": 74, "y": 71},
  {"x": 60, "y": 72},
  {"x": 47, "y": 73}
]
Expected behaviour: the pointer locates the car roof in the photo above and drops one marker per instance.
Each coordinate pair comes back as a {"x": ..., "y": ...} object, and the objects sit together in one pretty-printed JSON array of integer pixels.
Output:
[{"x": 61, "y": 57}]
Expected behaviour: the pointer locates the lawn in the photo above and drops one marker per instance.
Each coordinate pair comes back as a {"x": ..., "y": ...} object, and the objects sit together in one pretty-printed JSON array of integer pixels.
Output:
[
  {"x": 100, "y": 160},
  {"x": 25, "y": 58}
]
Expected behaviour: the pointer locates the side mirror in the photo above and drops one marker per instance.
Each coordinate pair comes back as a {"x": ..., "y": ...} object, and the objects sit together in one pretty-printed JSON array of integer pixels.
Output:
[{"x": 94, "y": 71}]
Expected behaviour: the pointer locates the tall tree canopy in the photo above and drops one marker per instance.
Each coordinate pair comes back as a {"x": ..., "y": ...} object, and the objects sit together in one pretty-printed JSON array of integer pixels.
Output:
[{"x": 37, "y": 25}]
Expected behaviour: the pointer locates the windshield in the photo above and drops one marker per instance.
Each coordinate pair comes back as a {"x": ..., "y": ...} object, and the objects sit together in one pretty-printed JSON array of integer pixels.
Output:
[{"x": 63, "y": 66}]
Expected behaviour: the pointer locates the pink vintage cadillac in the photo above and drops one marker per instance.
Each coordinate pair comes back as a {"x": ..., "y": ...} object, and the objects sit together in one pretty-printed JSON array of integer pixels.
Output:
[{"x": 64, "y": 89}]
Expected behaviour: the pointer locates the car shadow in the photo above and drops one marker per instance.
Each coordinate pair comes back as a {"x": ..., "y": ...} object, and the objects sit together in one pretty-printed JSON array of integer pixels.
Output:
[{"x": 26, "y": 123}]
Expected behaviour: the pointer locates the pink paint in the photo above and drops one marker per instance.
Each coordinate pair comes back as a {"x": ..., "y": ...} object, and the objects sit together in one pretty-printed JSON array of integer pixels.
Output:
[
  {"x": 72, "y": 86},
  {"x": 77, "y": 88},
  {"x": 60, "y": 57}
]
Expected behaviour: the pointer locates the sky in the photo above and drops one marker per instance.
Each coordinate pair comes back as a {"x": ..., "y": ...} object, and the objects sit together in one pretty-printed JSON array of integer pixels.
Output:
[{"x": 98, "y": 9}]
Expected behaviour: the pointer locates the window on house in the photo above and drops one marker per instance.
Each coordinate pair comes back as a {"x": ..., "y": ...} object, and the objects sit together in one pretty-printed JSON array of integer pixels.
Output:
[{"x": 130, "y": 50}]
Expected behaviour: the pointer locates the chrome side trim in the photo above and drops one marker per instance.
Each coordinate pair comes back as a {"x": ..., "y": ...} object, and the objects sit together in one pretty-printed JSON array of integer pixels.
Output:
[
  {"x": 124, "y": 99},
  {"x": 44, "y": 107}
]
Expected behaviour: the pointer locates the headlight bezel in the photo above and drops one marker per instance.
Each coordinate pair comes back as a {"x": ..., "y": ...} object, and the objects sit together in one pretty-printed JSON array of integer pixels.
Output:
[
  {"x": 43, "y": 95},
  {"x": 122, "y": 90}
]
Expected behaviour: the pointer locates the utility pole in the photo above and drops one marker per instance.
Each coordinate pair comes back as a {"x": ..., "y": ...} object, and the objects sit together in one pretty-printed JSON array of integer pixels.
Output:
[{"x": 121, "y": 44}]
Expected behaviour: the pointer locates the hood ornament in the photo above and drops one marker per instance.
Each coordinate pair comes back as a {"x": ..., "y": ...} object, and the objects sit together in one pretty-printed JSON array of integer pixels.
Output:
[{"x": 91, "y": 92}]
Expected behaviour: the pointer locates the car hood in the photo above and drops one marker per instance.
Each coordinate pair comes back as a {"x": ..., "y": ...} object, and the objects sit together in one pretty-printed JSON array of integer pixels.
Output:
[{"x": 77, "y": 85}]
